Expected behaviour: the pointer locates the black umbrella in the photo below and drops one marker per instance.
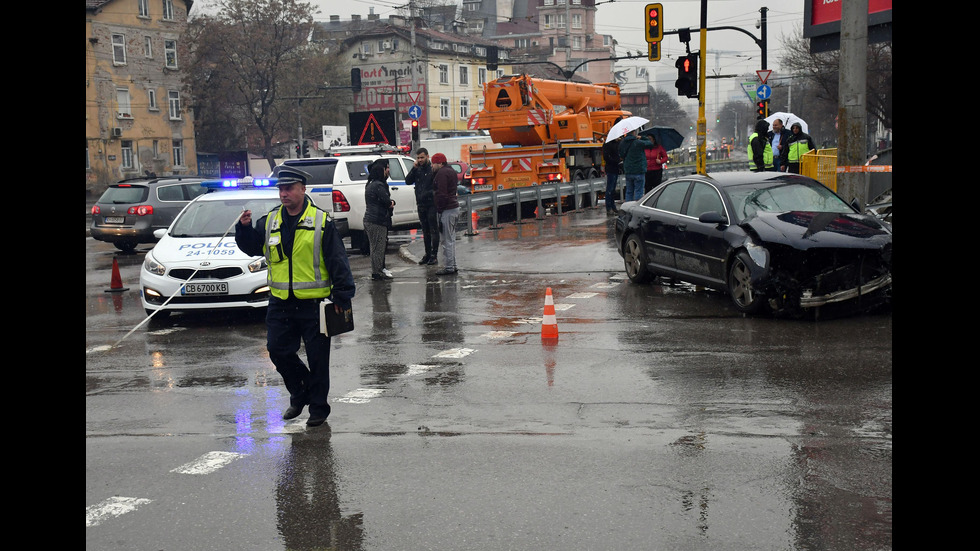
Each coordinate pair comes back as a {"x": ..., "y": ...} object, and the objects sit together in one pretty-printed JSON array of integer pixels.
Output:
[{"x": 665, "y": 136}]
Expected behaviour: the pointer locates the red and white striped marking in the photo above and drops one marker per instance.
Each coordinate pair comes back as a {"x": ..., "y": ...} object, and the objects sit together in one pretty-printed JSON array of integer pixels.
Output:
[{"x": 520, "y": 164}]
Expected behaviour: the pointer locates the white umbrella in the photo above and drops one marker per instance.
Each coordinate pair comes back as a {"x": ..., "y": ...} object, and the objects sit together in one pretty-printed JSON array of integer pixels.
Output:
[
  {"x": 788, "y": 120},
  {"x": 624, "y": 127}
]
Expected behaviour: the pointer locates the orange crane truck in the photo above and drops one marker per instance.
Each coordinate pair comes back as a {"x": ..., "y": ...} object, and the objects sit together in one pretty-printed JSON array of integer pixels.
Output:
[{"x": 550, "y": 131}]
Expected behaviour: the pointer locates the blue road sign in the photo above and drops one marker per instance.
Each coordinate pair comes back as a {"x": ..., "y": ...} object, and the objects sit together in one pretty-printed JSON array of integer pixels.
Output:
[
  {"x": 415, "y": 111},
  {"x": 763, "y": 91}
]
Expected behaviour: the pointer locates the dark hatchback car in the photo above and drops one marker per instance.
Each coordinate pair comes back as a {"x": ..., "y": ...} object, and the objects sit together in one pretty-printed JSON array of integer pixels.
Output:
[
  {"x": 771, "y": 240},
  {"x": 129, "y": 211}
]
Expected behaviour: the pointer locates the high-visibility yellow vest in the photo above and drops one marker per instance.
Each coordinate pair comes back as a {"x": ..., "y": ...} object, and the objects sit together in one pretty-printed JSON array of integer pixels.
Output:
[
  {"x": 797, "y": 149},
  {"x": 766, "y": 154},
  {"x": 304, "y": 270}
]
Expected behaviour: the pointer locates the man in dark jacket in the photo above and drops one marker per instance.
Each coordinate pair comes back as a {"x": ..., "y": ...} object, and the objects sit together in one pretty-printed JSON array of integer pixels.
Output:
[
  {"x": 778, "y": 137},
  {"x": 444, "y": 184},
  {"x": 634, "y": 164},
  {"x": 610, "y": 158},
  {"x": 421, "y": 177},
  {"x": 377, "y": 215}
]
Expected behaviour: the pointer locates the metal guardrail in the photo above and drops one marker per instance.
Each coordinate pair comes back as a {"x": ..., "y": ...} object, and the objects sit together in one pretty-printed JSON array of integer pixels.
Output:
[{"x": 577, "y": 190}]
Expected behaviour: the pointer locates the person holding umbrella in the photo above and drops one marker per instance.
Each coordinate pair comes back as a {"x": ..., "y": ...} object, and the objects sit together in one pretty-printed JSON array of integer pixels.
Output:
[
  {"x": 634, "y": 164},
  {"x": 611, "y": 162},
  {"x": 656, "y": 158},
  {"x": 798, "y": 144}
]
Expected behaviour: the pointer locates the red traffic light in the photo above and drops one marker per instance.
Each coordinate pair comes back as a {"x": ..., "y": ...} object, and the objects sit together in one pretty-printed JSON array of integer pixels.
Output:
[
  {"x": 415, "y": 123},
  {"x": 653, "y": 15}
]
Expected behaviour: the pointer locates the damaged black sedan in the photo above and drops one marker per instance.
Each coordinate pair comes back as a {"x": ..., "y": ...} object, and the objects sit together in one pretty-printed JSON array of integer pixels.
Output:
[{"x": 771, "y": 240}]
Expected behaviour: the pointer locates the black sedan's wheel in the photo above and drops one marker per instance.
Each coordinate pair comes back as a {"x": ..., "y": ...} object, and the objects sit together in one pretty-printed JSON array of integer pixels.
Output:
[
  {"x": 125, "y": 246},
  {"x": 636, "y": 260},
  {"x": 740, "y": 287}
]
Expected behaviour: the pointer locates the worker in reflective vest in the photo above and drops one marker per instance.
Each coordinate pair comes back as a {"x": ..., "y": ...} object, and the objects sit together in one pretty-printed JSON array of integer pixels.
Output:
[
  {"x": 798, "y": 144},
  {"x": 760, "y": 150}
]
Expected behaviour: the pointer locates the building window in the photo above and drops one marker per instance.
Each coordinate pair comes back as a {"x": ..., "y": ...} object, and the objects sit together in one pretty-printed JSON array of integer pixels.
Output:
[
  {"x": 381, "y": 46},
  {"x": 88, "y": 162},
  {"x": 444, "y": 74},
  {"x": 549, "y": 2},
  {"x": 174, "y": 98},
  {"x": 366, "y": 48},
  {"x": 480, "y": 51},
  {"x": 464, "y": 74},
  {"x": 147, "y": 47},
  {"x": 481, "y": 75},
  {"x": 576, "y": 2},
  {"x": 144, "y": 8},
  {"x": 576, "y": 21},
  {"x": 170, "y": 52},
  {"x": 118, "y": 49},
  {"x": 178, "y": 152},
  {"x": 122, "y": 104},
  {"x": 606, "y": 40},
  {"x": 127, "y": 154},
  {"x": 464, "y": 108},
  {"x": 560, "y": 20},
  {"x": 500, "y": 73},
  {"x": 168, "y": 10},
  {"x": 151, "y": 96},
  {"x": 394, "y": 44},
  {"x": 444, "y": 108},
  {"x": 576, "y": 42},
  {"x": 547, "y": 21},
  {"x": 156, "y": 149}
]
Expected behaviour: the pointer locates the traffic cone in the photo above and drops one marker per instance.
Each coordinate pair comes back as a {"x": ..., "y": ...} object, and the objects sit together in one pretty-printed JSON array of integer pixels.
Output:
[
  {"x": 475, "y": 217},
  {"x": 549, "y": 325},
  {"x": 115, "y": 284}
]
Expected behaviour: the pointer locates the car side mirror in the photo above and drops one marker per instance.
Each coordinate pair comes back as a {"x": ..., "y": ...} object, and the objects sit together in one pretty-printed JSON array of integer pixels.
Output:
[
  {"x": 855, "y": 204},
  {"x": 712, "y": 217},
  {"x": 159, "y": 233}
]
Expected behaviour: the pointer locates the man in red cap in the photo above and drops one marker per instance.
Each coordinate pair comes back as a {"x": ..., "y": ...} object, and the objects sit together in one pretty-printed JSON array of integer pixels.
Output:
[{"x": 447, "y": 206}]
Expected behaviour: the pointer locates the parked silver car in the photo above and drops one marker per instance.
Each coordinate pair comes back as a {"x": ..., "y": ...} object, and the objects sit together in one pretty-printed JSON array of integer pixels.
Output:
[{"x": 129, "y": 211}]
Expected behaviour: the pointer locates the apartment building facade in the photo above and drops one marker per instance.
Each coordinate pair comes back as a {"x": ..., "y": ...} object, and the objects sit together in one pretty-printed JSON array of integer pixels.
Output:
[{"x": 136, "y": 120}]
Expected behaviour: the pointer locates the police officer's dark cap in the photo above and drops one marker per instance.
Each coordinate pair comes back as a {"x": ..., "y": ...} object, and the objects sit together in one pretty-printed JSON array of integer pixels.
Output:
[{"x": 289, "y": 175}]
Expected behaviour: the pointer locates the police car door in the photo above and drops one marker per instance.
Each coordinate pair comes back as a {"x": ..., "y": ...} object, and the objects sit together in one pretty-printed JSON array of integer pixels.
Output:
[{"x": 406, "y": 211}]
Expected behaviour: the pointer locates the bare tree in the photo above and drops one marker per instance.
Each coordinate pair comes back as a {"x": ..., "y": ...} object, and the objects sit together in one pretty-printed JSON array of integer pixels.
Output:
[{"x": 249, "y": 63}]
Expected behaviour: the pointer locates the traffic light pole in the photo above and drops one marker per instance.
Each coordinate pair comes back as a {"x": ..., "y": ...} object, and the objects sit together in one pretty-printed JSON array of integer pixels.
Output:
[{"x": 702, "y": 164}]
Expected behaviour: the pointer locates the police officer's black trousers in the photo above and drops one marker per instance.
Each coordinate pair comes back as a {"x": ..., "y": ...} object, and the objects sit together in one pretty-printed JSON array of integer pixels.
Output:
[{"x": 289, "y": 321}]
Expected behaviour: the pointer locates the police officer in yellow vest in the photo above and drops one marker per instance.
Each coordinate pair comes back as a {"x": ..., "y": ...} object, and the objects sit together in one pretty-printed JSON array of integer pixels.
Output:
[
  {"x": 797, "y": 144},
  {"x": 307, "y": 263},
  {"x": 760, "y": 150}
]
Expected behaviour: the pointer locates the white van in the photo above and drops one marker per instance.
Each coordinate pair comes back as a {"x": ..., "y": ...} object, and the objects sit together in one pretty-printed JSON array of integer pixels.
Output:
[{"x": 338, "y": 188}]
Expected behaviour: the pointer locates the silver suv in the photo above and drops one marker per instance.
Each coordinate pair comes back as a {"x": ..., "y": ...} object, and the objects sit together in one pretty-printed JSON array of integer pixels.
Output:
[
  {"x": 338, "y": 187},
  {"x": 129, "y": 211}
]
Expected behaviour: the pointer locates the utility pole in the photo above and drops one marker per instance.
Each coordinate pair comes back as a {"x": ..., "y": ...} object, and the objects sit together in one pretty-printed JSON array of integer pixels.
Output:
[{"x": 852, "y": 104}]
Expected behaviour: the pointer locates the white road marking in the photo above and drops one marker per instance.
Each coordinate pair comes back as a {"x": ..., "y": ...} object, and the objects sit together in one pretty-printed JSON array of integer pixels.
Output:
[
  {"x": 100, "y": 348},
  {"x": 527, "y": 320},
  {"x": 208, "y": 463},
  {"x": 455, "y": 353},
  {"x": 605, "y": 285},
  {"x": 360, "y": 395},
  {"x": 418, "y": 369},
  {"x": 499, "y": 334},
  {"x": 112, "y": 507},
  {"x": 563, "y": 306},
  {"x": 582, "y": 295},
  {"x": 166, "y": 331}
]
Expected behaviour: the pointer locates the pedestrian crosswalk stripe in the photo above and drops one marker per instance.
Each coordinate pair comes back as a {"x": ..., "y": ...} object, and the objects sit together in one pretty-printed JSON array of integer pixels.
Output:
[
  {"x": 208, "y": 463},
  {"x": 112, "y": 507}
]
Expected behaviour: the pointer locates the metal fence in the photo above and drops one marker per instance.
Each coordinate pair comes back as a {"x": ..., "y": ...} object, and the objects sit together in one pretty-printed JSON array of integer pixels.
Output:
[{"x": 577, "y": 193}]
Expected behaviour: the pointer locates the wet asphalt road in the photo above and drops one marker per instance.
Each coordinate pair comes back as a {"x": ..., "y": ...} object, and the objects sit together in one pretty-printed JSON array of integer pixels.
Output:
[{"x": 661, "y": 419}]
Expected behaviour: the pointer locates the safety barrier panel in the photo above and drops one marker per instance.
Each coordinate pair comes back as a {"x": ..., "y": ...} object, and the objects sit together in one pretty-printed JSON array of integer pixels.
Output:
[{"x": 821, "y": 165}]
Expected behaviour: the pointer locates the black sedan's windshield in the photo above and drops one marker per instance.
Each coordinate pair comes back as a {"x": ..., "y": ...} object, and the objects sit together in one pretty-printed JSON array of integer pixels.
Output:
[{"x": 748, "y": 199}]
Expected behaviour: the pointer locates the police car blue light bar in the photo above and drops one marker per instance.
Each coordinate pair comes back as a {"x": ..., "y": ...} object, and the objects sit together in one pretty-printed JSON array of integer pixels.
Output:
[{"x": 240, "y": 183}]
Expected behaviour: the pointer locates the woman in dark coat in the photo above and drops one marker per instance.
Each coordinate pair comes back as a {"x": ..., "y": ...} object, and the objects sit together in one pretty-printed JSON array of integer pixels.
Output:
[{"x": 378, "y": 208}]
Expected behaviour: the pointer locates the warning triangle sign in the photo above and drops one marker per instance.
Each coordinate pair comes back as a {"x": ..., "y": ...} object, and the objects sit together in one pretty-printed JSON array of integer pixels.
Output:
[
  {"x": 764, "y": 75},
  {"x": 372, "y": 132},
  {"x": 414, "y": 96}
]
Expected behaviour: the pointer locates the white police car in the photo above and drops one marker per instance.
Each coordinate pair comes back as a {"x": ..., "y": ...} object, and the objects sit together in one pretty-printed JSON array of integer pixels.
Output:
[{"x": 196, "y": 265}]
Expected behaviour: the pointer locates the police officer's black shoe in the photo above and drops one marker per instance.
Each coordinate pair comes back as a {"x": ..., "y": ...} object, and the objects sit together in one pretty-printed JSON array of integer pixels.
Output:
[
  {"x": 292, "y": 412},
  {"x": 315, "y": 421}
]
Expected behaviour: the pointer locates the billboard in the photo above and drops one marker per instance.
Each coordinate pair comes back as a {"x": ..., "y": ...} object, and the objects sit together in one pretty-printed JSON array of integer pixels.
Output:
[
  {"x": 378, "y": 85},
  {"x": 334, "y": 136},
  {"x": 821, "y": 23}
]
